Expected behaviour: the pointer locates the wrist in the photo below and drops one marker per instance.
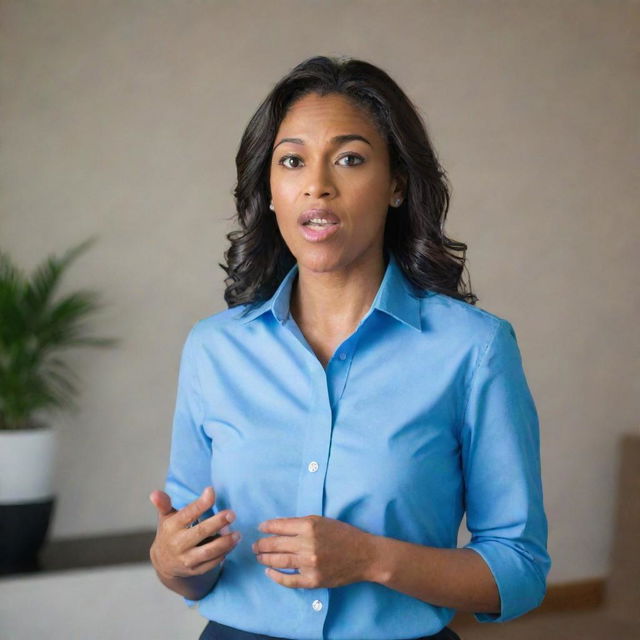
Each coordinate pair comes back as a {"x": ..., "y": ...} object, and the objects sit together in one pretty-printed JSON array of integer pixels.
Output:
[{"x": 374, "y": 566}]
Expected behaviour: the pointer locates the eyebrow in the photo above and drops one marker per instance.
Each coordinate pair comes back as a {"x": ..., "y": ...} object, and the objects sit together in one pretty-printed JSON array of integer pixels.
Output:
[{"x": 339, "y": 140}]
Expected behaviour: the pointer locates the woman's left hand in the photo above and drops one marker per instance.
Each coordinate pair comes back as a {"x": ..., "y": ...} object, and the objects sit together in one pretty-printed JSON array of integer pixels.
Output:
[{"x": 326, "y": 552}]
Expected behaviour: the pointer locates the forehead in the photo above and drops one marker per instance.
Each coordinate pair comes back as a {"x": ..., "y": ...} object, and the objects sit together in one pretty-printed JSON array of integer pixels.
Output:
[{"x": 315, "y": 116}]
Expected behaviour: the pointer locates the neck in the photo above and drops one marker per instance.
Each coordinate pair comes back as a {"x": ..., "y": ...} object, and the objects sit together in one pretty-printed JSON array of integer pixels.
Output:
[{"x": 334, "y": 302}]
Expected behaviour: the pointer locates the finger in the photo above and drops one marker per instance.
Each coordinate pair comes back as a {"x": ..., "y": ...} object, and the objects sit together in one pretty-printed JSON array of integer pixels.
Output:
[
  {"x": 217, "y": 549},
  {"x": 270, "y": 544},
  {"x": 207, "y": 566},
  {"x": 162, "y": 502},
  {"x": 211, "y": 527},
  {"x": 279, "y": 560},
  {"x": 286, "y": 526},
  {"x": 293, "y": 580},
  {"x": 195, "y": 509}
]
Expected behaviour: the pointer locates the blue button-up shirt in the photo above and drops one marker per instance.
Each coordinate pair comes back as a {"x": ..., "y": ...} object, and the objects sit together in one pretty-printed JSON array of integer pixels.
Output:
[{"x": 423, "y": 412}]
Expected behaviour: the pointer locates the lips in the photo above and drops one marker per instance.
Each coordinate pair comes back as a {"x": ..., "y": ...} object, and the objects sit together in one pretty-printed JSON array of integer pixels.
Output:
[{"x": 325, "y": 214}]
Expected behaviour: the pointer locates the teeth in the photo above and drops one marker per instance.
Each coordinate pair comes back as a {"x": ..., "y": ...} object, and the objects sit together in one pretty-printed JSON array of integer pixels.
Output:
[{"x": 319, "y": 221}]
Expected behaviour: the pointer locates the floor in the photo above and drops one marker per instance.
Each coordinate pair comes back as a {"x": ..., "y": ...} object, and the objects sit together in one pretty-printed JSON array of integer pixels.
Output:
[
  {"x": 585, "y": 625},
  {"x": 127, "y": 601},
  {"x": 112, "y": 603}
]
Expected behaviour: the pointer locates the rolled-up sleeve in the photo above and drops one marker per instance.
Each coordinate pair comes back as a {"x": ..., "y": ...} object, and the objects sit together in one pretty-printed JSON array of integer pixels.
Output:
[
  {"x": 189, "y": 470},
  {"x": 503, "y": 488}
]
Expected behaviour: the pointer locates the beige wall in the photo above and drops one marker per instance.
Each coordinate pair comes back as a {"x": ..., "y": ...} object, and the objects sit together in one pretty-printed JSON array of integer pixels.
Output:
[{"x": 123, "y": 118}]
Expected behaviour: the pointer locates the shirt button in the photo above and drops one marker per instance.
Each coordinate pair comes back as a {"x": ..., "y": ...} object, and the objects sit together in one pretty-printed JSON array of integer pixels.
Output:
[
  {"x": 342, "y": 356},
  {"x": 317, "y": 605},
  {"x": 313, "y": 466}
]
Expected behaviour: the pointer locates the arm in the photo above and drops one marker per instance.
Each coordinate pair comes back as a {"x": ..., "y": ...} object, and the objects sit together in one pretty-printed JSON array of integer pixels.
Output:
[
  {"x": 193, "y": 587},
  {"x": 456, "y": 578},
  {"x": 501, "y": 573},
  {"x": 500, "y": 447},
  {"x": 189, "y": 470}
]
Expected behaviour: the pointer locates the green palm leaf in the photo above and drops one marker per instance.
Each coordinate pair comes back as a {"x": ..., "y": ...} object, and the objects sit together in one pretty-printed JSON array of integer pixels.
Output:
[{"x": 33, "y": 328}]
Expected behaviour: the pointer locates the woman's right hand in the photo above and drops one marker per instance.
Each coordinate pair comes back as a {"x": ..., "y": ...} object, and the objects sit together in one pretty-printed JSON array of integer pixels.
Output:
[{"x": 178, "y": 550}]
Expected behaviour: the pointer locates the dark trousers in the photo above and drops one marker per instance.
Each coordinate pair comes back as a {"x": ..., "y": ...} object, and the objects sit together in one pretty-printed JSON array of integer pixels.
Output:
[{"x": 216, "y": 631}]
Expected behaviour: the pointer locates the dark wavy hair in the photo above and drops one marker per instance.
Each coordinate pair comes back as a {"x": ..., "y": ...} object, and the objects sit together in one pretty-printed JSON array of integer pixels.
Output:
[{"x": 258, "y": 257}]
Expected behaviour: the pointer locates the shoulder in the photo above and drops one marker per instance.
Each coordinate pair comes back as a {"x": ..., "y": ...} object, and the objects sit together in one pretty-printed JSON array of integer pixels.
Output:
[
  {"x": 486, "y": 340},
  {"x": 207, "y": 328},
  {"x": 443, "y": 313},
  {"x": 489, "y": 337}
]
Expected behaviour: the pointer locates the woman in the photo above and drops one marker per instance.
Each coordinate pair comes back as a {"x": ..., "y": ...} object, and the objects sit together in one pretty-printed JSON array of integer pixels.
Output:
[{"x": 352, "y": 402}]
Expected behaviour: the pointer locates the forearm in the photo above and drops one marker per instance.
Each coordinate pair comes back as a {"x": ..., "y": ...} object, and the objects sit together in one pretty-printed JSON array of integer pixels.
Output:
[
  {"x": 192, "y": 587},
  {"x": 455, "y": 578}
]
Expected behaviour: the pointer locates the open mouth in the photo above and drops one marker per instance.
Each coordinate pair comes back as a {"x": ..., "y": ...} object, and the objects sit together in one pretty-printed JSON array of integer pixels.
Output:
[
  {"x": 318, "y": 231},
  {"x": 318, "y": 224}
]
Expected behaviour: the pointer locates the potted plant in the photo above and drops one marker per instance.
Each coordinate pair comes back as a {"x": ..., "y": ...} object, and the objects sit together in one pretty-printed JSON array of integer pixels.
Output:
[{"x": 34, "y": 328}]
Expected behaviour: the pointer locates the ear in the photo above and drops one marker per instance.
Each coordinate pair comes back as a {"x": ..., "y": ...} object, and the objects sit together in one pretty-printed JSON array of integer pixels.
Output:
[{"x": 400, "y": 188}]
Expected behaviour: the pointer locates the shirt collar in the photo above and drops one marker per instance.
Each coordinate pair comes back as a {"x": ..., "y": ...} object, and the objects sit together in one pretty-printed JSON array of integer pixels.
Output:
[{"x": 395, "y": 297}]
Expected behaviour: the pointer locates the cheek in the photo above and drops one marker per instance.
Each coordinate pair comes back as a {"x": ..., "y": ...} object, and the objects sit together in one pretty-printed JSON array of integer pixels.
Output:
[
  {"x": 288, "y": 191},
  {"x": 285, "y": 199},
  {"x": 284, "y": 225},
  {"x": 369, "y": 207},
  {"x": 370, "y": 192}
]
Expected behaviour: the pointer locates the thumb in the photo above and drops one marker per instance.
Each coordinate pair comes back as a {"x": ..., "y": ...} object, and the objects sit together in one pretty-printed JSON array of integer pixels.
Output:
[{"x": 162, "y": 503}]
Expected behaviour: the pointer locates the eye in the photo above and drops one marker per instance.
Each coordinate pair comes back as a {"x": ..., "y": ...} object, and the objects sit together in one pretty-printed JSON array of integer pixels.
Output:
[
  {"x": 290, "y": 156},
  {"x": 352, "y": 155}
]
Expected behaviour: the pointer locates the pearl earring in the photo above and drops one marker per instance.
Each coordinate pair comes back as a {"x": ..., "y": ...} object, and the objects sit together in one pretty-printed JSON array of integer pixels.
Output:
[
  {"x": 397, "y": 202},
  {"x": 271, "y": 206}
]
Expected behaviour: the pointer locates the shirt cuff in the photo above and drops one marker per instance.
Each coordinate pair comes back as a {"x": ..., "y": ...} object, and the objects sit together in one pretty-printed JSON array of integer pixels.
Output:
[{"x": 520, "y": 583}]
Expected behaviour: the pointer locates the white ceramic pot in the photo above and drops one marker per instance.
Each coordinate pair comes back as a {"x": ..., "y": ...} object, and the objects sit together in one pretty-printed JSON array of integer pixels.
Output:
[
  {"x": 27, "y": 459},
  {"x": 26, "y": 496}
]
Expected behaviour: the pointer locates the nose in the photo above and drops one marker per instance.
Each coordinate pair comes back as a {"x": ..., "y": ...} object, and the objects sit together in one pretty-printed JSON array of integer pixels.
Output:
[{"x": 319, "y": 182}]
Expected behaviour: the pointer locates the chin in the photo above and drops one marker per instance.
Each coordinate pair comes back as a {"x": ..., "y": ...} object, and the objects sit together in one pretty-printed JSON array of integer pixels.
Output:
[{"x": 319, "y": 259}]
